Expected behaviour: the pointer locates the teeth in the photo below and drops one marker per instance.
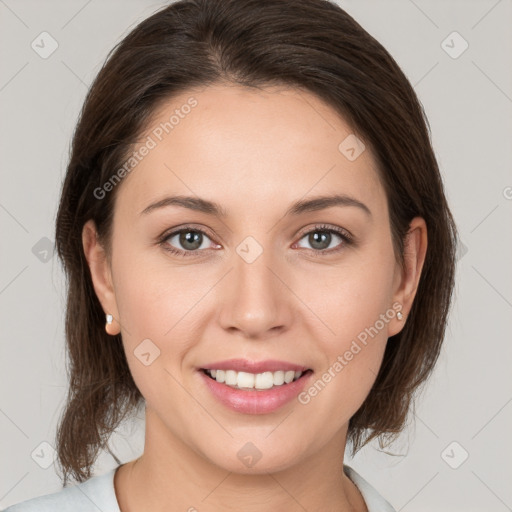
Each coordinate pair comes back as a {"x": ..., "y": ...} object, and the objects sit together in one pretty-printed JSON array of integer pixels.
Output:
[
  {"x": 289, "y": 376},
  {"x": 231, "y": 378},
  {"x": 264, "y": 380},
  {"x": 278, "y": 378},
  {"x": 245, "y": 380}
]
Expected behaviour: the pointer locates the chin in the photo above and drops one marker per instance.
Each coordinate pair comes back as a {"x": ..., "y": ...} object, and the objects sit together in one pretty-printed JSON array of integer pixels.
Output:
[{"x": 248, "y": 458}]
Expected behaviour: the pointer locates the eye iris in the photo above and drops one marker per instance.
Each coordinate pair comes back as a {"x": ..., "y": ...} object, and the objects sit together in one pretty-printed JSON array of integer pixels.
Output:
[
  {"x": 320, "y": 237},
  {"x": 192, "y": 240},
  {"x": 190, "y": 237}
]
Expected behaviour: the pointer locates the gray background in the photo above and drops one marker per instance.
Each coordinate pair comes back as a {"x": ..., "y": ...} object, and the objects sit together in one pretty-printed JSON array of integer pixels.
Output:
[{"x": 468, "y": 100}]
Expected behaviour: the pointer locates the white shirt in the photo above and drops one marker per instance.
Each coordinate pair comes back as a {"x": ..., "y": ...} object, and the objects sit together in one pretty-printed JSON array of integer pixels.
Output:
[{"x": 98, "y": 494}]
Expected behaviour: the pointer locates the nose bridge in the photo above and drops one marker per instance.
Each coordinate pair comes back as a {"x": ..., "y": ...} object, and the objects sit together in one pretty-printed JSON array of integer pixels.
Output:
[
  {"x": 256, "y": 299},
  {"x": 251, "y": 266}
]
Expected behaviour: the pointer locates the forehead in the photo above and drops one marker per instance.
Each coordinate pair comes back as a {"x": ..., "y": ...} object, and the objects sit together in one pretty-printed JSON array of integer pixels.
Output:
[{"x": 248, "y": 148}]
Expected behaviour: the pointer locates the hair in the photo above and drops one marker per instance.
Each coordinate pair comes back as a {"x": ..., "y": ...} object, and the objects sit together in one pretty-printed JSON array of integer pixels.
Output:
[{"x": 312, "y": 45}]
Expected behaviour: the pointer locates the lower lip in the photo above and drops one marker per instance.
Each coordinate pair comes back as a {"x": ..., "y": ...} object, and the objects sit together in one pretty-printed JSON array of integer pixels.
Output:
[{"x": 255, "y": 402}]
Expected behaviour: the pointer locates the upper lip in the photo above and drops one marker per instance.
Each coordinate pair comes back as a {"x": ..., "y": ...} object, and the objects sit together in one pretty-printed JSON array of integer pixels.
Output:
[{"x": 244, "y": 365}]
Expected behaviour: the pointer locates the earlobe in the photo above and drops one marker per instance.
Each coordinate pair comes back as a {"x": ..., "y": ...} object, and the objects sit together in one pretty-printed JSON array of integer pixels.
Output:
[
  {"x": 415, "y": 249},
  {"x": 100, "y": 274}
]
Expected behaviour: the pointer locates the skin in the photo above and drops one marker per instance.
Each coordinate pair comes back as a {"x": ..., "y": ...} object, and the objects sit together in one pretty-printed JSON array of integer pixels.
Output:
[{"x": 255, "y": 153}]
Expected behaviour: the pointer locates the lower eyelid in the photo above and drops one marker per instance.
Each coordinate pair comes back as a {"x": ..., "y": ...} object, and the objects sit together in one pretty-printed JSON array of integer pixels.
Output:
[
  {"x": 345, "y": 240},
  {"x": 165, "y": 241}
]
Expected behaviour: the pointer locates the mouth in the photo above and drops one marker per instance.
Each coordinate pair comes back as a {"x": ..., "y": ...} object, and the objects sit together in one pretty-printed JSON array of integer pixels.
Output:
[
  {"x": 248, "y": 381},
  {"x": 254, "y": 387}
]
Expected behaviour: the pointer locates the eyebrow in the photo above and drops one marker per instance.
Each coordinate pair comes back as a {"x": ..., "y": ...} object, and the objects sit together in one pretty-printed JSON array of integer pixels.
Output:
[{"x": 297, "y": 208}]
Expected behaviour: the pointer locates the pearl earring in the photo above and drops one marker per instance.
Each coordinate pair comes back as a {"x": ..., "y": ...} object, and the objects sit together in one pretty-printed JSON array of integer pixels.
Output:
[
  {"x": 109, "y": 319},
  {"x": 399, "y": 315}
]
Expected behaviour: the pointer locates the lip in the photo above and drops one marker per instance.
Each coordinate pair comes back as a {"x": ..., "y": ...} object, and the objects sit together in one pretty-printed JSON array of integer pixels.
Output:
[
  {"x": 244, "y": 365},
  {"x": 255, "y": 401}
]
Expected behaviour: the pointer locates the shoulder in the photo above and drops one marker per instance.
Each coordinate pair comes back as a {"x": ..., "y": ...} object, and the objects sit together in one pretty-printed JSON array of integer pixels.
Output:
[
  {"x": 95, "y": 494},
  {"x": 374, "y": 501}
]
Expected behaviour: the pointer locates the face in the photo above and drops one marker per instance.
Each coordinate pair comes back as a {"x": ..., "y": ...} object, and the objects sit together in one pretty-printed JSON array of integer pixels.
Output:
[{"x": 312, "y": 287}]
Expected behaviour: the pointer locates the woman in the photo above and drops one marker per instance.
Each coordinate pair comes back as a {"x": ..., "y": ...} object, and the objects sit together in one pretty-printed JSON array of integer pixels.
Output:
[{"x": 259, "y": 251}]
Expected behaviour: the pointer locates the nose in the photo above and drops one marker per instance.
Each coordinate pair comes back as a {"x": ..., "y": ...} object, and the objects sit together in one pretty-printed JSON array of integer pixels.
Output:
[{"x": 255, "y": 301}]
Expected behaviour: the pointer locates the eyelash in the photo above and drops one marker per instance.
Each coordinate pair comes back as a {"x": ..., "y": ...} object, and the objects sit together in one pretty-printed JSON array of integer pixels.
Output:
[{"x": 343, "y": 234}]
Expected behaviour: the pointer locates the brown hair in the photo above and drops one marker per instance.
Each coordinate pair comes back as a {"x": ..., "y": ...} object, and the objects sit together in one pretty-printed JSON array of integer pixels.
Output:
[{"x": 309, "y": 44}]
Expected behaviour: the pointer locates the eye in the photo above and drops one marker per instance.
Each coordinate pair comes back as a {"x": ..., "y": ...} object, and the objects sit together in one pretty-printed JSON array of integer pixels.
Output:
[
  {"x": 321, "y": 238},
  {"x": 186, "y": 241},
  {"x": 189, "y": 241}
]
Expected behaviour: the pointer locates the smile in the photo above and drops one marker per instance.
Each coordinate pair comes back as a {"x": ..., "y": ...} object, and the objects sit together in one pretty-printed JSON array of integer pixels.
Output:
[
  {"x": 254, "y": 381},
  {"x": 254, "y": 393}
]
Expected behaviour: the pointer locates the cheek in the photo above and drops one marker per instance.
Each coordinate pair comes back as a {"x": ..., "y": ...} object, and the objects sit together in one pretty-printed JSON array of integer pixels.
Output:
[
  {"x": 153, "y": 296},
  {"x": 163, "y": 303},
  {"x": 155, "y": 305},
  {"x": 351, "y": 297},
  {"x": 355, "y": 304},
  {"x": 338, "y": 391},
  {"x": 352, "y": 361}
]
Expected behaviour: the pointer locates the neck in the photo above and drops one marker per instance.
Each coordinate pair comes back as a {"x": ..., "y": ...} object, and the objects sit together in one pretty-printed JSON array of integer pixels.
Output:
[{"x": 172, "y": 477}]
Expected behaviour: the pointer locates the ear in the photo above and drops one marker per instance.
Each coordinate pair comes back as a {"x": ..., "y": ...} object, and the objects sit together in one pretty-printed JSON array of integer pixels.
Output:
[
  {"x": 407, "y": 279},
  {"x": 101, "y": 274}
]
